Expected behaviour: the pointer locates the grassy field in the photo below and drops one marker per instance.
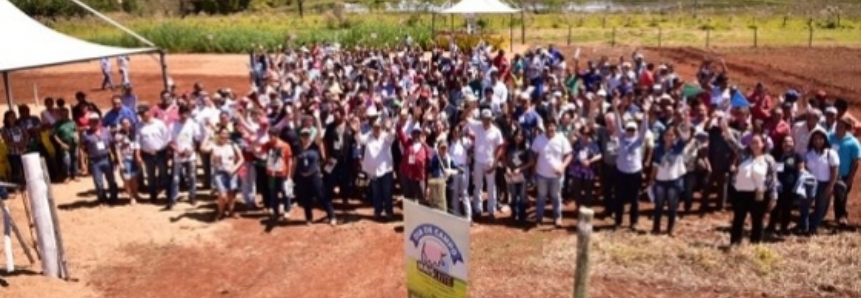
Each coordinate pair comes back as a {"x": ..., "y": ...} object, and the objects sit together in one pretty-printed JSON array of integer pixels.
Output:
[{"x": 234, "y": 33}]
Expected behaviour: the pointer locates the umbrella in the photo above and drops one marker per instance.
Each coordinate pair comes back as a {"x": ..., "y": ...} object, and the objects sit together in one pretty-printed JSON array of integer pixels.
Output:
[
  {"x": 691, "y": 90},
  {"x": 739, "y": 101}
]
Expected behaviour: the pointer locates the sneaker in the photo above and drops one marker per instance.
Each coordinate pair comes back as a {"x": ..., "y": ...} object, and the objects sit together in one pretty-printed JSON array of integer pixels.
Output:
[
  {"x": 333, "y": 222},
  {"x": 287, "y": 215},
  {"x": 843, "y": 222},
  {"x": 558, "y": 223}
]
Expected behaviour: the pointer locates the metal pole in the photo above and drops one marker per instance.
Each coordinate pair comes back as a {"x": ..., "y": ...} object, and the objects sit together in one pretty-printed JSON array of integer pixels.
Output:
[
  {"x": 7, "y": 242},
  {"x": 114, "y": 23},
  {"x": 584, "y": 235},
  {"x": 8, "y": 89},
  {"x": 163, "y": 69},
  {"x": 17, "y": 232}
]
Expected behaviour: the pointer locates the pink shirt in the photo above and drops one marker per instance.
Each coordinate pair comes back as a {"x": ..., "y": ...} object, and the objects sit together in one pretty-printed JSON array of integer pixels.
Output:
[{"x": 169, "y": 115}]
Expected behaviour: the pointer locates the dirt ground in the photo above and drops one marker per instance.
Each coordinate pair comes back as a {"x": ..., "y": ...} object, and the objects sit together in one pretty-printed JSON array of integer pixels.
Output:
[{"x": 140, "y": 251}]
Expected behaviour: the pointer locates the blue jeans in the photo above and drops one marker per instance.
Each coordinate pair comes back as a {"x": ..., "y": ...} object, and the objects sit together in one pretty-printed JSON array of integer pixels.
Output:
[
  {"x": 311, "y": 187},
  {"x": 70, "y": 161},
  {"x": 381, "y": 192},
  {"x": 551, "y": 187},
  {"x": 339, "y": 178},
  {"x": 820, "y": 208},
  {"x": 627, "y": 192},
  {"x": 517, "y": 193},
  {"x": 102, "y": 168},
  {"x": 189, "y": 170},
  {"x": 667, "y": 195},
  {"x": 277, "y": 186},
  {"x": 16, "y": 167},
  {"x": 156, "y": 172},
  {"x": 107, "y": 80}
]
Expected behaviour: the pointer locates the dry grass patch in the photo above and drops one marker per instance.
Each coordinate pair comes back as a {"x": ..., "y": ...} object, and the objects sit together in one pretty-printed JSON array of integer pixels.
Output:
[{"x": 829, "y": 265}]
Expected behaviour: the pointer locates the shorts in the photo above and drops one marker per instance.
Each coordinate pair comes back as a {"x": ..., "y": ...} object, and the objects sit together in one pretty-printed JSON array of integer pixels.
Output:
[
  {"x": 130, "y": 169},
  {"x": 226, "y": 182}
]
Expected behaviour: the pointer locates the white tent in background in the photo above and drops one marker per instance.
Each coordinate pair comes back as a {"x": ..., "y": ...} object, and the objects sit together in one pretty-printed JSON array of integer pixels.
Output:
[
  {"x": 26, "y": 44},
  {"x": 479, "y": 7}
]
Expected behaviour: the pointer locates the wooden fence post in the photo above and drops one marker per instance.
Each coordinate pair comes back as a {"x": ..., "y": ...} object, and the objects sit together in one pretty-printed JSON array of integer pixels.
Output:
[
  {"x": 569, "y": 34},
  {"x": 613, "y": 38},
  {"x": 810, "y": 37},
  {"x": 755, "y": 36},
  {"x": 708, "y": 36},
  {"x": 660, "y": 36},
  {"x": 603, "y": 22},
  {"x": 584, "y": 235}
]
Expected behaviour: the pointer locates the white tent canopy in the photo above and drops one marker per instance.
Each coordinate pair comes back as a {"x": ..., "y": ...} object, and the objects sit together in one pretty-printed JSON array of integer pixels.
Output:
[
  {"x": 29, "y": 44},
  {"x": 479, "y": 7}
]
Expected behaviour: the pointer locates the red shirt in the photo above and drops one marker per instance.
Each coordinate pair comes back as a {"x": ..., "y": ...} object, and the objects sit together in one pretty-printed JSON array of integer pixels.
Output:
[
  {"x": 760, "y": 106},
  {"x": 414, "y": 162},
  {"x": 777, "y": 132}
]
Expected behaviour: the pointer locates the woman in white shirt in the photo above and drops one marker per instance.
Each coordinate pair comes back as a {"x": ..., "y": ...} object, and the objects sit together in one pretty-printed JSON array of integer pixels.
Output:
[
  {"x": 755, "y": 185},
  {"x": 822, "y": 162},
  {"x": 459, "y": 146},
  {"x": 226, "y": 159},
  {"x": 668, "y": 170}
]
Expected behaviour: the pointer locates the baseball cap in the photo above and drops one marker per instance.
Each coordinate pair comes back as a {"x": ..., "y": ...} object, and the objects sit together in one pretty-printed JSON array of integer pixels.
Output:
[
  {"x": 486, "y": 114},
  {"x": 831, "y": 110}
]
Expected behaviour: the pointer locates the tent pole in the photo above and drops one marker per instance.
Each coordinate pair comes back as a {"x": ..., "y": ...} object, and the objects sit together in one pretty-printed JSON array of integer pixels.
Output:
[
  {"x": 8, "y": 88},
  {"x": 114, "y": 23},
  {"x": 164, "y": 79}
]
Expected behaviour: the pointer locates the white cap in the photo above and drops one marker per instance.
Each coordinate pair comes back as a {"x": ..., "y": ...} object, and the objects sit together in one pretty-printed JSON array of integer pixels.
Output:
[
  {"x": 631, "y": 125},
  {"x": 469, "y": 97},
  {"x": 372, "y": 112},
  {"x": 486, "y": 114}
]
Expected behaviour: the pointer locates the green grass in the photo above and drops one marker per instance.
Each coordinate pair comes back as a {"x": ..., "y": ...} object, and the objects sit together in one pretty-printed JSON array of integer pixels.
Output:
[{"x": 235, "y": 33}]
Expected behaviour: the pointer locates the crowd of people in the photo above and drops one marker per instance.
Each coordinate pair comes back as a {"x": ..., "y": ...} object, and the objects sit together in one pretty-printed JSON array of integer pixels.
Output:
[{"x": 470, "y": 132}]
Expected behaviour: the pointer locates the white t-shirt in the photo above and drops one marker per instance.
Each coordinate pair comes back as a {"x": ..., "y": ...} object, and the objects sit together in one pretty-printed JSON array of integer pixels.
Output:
[
  {"x": 377, "y": 160},
  {"x": 224, "y": 156},
  {"x": 820, "y": 165},
  {"x": 126, "y": 147},
  {"x": 459, "y": 150},
  {"x": 801, "y": 135},
  {"x": 751, "y": 174},
  {"x": 48, "y": 117},
  {"x": 486, "y": 142},
  {"x": 184, "y": 135},
  {"x": 550, "y": 154},
  {"x": 153, "y": 135}
]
